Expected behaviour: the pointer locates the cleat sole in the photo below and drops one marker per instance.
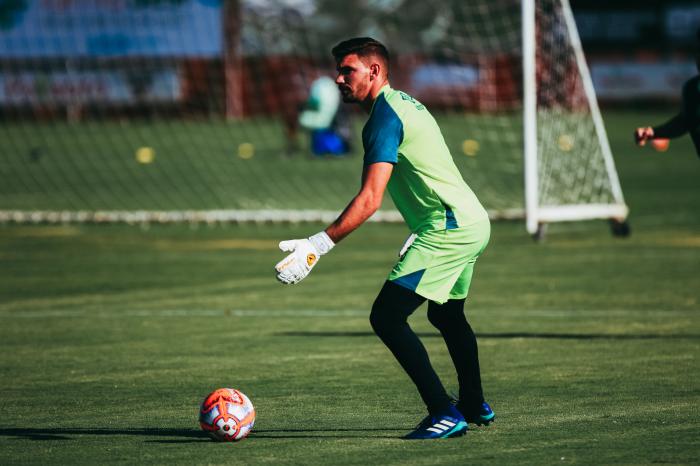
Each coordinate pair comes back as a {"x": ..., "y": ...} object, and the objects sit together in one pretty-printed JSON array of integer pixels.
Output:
[
  {"x": 484, "y": 423},
  {"x": 459, "y": 433}
]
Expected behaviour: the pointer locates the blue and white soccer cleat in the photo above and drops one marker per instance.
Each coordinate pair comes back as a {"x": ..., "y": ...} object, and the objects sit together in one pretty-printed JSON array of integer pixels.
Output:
[
  {"x": 481, "y": 417},
  {"x": 446, "y": 425}
]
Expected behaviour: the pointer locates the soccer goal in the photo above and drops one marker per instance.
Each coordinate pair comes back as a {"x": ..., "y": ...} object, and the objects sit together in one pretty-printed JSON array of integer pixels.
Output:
[
  {"x": 565, "y": 182},
  {"x": 188, "y": 111}
]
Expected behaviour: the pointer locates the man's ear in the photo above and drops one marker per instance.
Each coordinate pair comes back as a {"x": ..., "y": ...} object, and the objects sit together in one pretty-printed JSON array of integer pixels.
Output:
[{"x": 373, "y": 70}]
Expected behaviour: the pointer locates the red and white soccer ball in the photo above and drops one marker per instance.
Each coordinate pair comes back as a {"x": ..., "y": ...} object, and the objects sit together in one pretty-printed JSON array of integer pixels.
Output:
[{"x": 227, "y": 415}]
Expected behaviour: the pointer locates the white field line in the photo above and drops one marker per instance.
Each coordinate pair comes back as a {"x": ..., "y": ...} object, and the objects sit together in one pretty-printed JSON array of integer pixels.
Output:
[{"x": 47, "y": 313}]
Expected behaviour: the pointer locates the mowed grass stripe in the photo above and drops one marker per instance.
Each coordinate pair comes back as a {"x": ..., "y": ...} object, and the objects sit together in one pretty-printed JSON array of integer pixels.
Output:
[
  {"x": 555, "y": 314},
  {"x": 42, "y": 314}
]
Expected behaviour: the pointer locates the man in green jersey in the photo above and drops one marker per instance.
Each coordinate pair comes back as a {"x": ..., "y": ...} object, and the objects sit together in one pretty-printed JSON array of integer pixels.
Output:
[{"x": 406, "y": 154}]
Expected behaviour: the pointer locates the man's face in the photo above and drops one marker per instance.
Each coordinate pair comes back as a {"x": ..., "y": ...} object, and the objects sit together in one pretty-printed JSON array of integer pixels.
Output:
[{"x": 353, "y": 78}]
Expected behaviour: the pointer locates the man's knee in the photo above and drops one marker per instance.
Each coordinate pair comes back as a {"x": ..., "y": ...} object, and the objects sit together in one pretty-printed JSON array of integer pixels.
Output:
[
  {"x": 437, "y": 317},
  {"x": 392, "y": 307},
  {"x": 442, "y": 316},
  {"x": 384, "y": 315},
  {"x": 377, "y": 319}
]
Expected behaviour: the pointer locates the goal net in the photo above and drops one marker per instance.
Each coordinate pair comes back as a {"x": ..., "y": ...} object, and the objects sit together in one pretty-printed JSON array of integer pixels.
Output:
[{"x": 158, "y": 110}]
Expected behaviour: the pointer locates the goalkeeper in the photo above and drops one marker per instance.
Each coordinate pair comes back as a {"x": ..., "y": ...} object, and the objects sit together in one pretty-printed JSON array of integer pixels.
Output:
[
  {"x": 686, "y": 121},
  {"x": 406, "y": 153}
]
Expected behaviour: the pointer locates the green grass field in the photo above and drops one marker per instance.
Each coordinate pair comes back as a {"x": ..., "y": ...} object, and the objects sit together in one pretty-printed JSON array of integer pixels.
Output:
[
  {"x": 197, "y": 164},
  {"x": 110, "y": 336}
]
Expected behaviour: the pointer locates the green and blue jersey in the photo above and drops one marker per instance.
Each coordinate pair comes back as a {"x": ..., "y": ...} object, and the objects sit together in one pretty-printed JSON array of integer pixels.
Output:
[{"x": 425, "y": 185}]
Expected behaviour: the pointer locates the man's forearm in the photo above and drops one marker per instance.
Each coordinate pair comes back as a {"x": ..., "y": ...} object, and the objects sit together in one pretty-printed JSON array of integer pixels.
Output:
[
  {"x": 673, "y": 128},
  {"x": 355, "y": 214}
]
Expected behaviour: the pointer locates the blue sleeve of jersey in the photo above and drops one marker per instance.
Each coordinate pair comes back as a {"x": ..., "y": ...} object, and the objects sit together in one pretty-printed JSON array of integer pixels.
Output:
[{"x": 382, "y": 134}]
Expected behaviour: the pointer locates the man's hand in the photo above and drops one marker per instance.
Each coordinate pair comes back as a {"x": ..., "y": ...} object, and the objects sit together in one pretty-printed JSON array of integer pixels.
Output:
[
  {"x": 642, "y": 135},
  {"x": 297, "y": 265},
  {"x": 304, "y": 256}
]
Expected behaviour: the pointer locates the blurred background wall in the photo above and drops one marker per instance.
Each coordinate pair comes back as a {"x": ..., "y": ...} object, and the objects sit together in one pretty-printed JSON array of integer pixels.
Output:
[
  {"x": 639, "y": 52},
  {"x": 72, "y": 58}
]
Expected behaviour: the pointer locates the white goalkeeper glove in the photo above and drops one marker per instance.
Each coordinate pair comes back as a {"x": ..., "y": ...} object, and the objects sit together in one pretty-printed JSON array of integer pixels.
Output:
[
  {"x": 407, "y": 244},
  {"x": 304, "y": 256}
]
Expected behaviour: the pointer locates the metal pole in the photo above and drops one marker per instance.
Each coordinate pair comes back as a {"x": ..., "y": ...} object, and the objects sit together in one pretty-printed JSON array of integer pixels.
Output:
[{"x": 530, "y": 115}]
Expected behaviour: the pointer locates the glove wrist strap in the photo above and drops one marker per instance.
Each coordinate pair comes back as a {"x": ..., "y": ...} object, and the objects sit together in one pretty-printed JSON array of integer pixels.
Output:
[{"x": 322, "y": 242}]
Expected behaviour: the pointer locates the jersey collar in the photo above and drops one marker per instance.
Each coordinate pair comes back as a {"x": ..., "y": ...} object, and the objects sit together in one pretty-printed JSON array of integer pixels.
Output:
[{"x": 386, "y": 88}]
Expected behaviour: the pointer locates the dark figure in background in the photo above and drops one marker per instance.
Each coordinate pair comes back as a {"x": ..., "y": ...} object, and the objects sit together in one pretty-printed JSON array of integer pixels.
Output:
[{"x": 686, "y": 121}]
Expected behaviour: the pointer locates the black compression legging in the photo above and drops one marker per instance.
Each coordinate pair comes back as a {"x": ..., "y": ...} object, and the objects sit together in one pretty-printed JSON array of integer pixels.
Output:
[
  {"x": 459, "y": 337},
  {"x": 389, "y": 317}
]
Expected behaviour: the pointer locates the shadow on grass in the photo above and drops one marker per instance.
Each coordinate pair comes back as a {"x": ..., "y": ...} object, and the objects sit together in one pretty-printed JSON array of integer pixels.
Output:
[
  {"x": 513, "y": 335},
  {"x": 69, "y": 434},
  {"x": 194, "y": 435},
  {"x": 365, "y": 433}
]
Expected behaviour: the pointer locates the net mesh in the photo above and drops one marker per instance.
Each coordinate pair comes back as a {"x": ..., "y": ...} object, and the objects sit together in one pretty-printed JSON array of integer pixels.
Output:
[{"x": 192, "y": 105}]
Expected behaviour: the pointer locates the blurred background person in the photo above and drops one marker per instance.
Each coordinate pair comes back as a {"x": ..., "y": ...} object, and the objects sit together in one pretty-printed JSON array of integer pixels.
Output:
[
  {"x": 323, "y": 116},
  {"x": 686, "y": 121}
]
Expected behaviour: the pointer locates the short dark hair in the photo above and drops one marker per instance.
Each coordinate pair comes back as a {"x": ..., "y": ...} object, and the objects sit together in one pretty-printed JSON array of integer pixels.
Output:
[{"x": 363, "y": 47}]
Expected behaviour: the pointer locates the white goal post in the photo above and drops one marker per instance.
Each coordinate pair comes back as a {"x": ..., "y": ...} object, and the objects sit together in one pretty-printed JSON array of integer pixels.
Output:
[{"x": 537, "y": 212}]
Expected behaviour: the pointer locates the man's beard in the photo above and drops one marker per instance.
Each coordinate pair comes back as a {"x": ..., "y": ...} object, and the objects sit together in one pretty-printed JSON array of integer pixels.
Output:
[
  {"x": 351, "y": 96},
  {"x": 348, "y": 96}
]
